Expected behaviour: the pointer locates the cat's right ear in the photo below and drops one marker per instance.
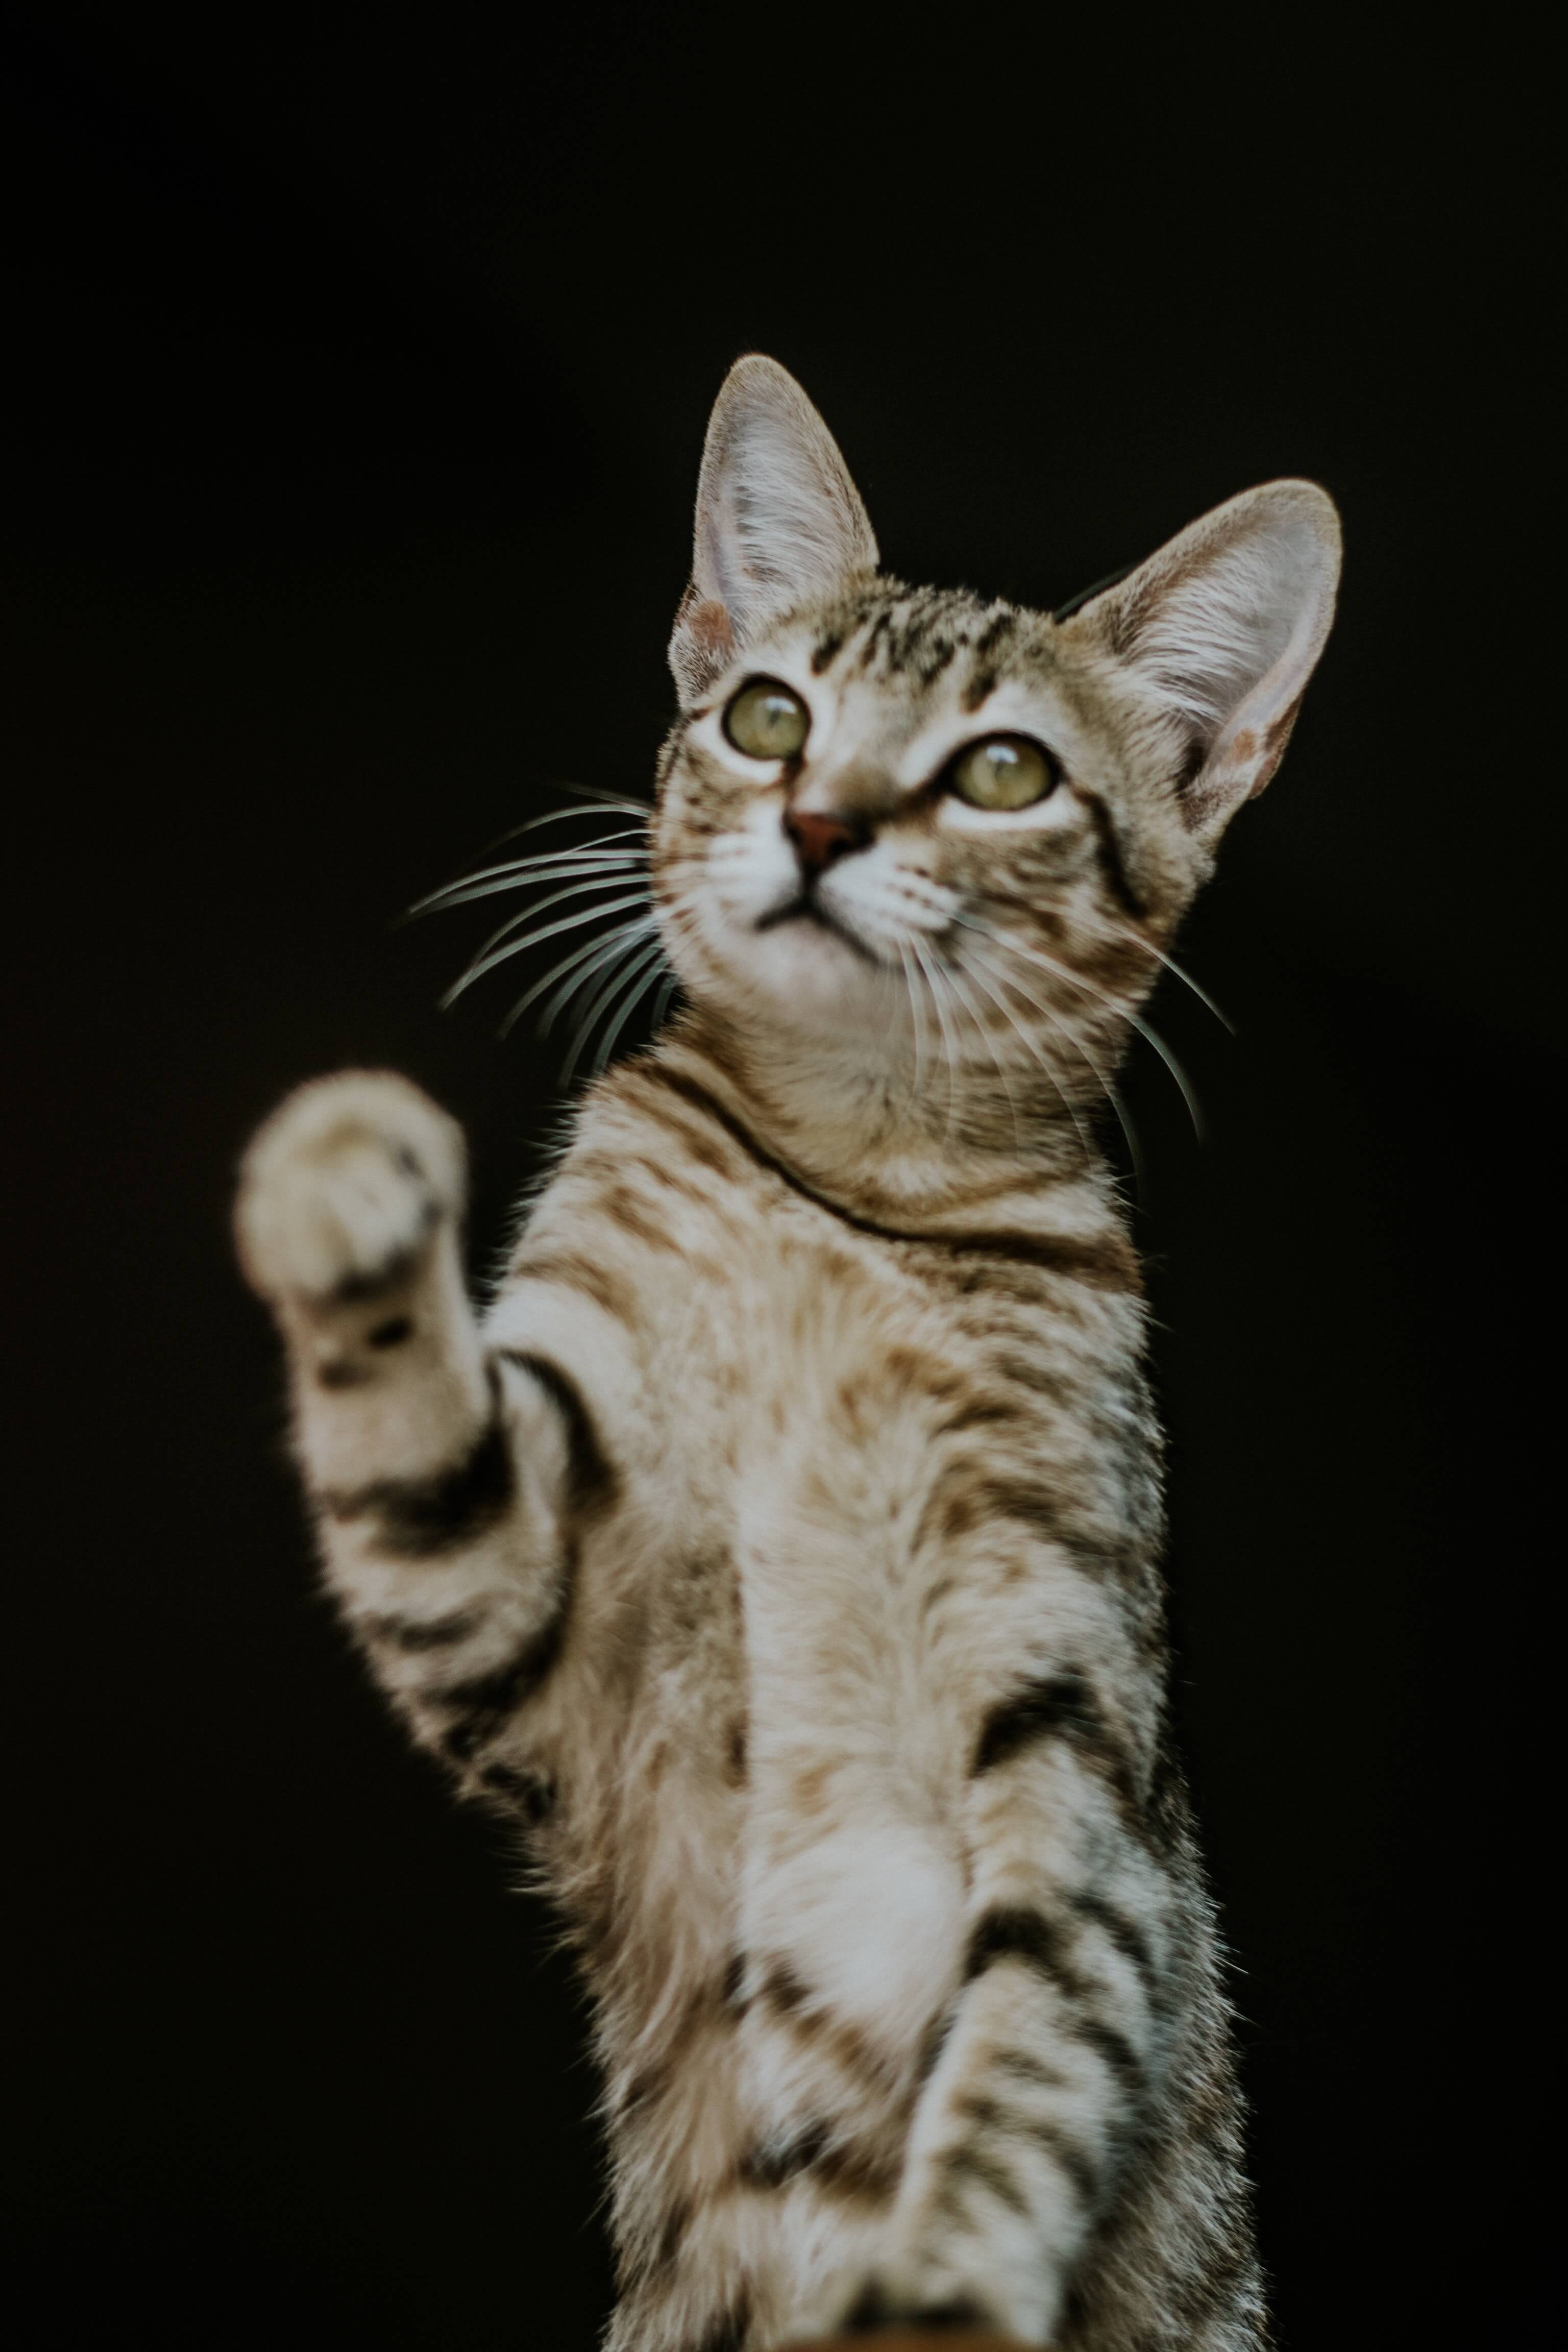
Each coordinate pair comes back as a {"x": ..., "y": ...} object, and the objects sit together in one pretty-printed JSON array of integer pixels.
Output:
[{"x": 779, "y": 521}]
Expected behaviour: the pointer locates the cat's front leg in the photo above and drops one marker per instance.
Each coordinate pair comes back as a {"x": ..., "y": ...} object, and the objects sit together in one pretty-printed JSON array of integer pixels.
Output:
[
  {"x": 1051, "y": 2064},
  {"x": 441, "y": 1476}
]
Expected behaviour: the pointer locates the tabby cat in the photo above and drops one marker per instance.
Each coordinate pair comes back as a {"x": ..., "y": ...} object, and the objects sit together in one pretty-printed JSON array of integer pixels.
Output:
[{"x": 780, "y": 1549}]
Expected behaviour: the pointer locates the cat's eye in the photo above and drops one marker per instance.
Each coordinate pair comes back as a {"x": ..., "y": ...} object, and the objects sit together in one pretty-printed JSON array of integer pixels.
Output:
[
  {"x": 766, "y": 720},
  {"x": 1003, "y": 772}
]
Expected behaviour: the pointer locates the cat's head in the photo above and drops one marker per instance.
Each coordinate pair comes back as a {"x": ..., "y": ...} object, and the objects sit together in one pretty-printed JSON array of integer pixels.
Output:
[{"x": 907, "y": 825}]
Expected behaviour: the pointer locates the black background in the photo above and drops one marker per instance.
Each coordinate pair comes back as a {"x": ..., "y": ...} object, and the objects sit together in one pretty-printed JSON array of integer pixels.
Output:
[{"x": 357, "y": 376}]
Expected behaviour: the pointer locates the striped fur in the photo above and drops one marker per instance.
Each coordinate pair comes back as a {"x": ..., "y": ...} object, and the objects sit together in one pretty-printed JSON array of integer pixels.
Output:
[{"x": 780, "y": 1550}]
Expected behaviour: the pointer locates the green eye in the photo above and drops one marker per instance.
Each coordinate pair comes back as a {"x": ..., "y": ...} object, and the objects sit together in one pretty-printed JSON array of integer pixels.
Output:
[
  {"x": 766, "y": 721},
  {"x": 1005, "y": 771}
]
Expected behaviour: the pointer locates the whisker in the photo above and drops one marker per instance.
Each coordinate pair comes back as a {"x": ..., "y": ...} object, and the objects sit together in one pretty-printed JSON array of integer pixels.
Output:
[
  {"x": 605, "y": 981},
  {"x": 591, "y": 962},
  {"x": 1135, "y": 1020},
  {"x": 610, "y": 867},
  {"x": 608, "y": 800},
  {"x": 1037, "y": 1046},
  {"x": 635, "y": 982},
  {"x": 1107, "y": 1086},
  {"x": 488, "y": 880},
  {"x": 601, "y": 984},
  {"x": 554, "y": 898},
  {"x": 618, "y": 801},
  {"x": 933, "y": 980},
  {"x": 1032, "y": 1046},
  {"x": 534, "y": 939},
  {"x": 661, "y": 1002},
  {"x": 590, "y": 951},
  {"x": 966, "y": 1001},
  {"x": 918, "y": 1010},
  {"x": 520, "y": 870},
  {"x": 1139, "y": 939},
  {"x": 617, "y": 870}
]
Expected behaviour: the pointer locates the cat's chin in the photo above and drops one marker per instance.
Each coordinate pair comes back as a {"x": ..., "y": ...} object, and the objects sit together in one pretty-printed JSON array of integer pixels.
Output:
[{"x": 809, "y": 974}]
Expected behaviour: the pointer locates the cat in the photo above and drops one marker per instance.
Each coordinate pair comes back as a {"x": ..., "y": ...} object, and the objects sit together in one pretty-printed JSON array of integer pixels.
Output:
[{"x": 780, "y": 1550}]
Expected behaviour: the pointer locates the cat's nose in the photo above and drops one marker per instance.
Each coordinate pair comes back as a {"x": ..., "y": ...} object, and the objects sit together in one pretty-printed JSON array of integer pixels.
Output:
[{"x": 818, "y": 840}]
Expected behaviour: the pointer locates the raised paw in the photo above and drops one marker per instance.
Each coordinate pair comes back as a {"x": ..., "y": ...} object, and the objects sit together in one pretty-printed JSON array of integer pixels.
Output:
[{"x": 342, "y": 1188}]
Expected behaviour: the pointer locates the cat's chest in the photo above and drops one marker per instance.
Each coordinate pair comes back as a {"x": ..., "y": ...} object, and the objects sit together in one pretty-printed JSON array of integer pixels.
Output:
[
  {"x": 846, "y": 1436},
  {"x": 849, "y": 1409},
  {"x": 807, "y": 1563},
  {"x": 824, "y": 1378},
  {"x": 824, "y": 1415}
]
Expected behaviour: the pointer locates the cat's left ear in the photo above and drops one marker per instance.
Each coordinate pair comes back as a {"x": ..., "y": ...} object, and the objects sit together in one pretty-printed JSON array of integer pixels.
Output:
[
  {"x": 779, "y": 521},
  {"x": 1227, "y": 622}
]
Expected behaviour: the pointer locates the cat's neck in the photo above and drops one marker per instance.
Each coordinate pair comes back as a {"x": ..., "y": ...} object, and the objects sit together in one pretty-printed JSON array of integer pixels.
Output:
[{"x": 916, "y": 1157}]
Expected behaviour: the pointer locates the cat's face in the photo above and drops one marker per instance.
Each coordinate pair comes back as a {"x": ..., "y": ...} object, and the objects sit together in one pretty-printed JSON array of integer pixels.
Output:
[
  {"x": 938, "y": 835},
  {"x": 946, "y": 827}
]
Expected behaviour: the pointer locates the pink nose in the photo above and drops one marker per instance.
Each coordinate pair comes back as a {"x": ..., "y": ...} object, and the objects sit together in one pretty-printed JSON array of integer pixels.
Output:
[{"x": 818, "y": 840}]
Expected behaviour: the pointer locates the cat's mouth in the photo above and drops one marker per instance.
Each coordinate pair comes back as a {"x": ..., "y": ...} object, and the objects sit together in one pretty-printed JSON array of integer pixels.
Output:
[{"x": 807, "y": 908}]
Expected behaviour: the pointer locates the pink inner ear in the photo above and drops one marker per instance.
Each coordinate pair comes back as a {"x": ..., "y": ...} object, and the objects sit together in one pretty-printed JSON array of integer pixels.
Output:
[{"x": 708, "y": 624}]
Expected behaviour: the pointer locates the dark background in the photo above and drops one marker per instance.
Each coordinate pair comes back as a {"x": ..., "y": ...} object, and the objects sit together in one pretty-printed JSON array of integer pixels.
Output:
[{"x": 357, "y": 376}]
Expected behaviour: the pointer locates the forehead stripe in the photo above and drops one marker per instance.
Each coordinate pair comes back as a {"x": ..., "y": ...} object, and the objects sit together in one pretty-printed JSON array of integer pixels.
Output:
[{"x": 1001, "y": 625}]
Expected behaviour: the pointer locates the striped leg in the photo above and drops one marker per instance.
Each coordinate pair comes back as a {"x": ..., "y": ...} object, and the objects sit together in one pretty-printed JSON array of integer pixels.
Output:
[
  {"x": 1049, "y": 2058},
  {"x": 442, "y": 1478}
]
